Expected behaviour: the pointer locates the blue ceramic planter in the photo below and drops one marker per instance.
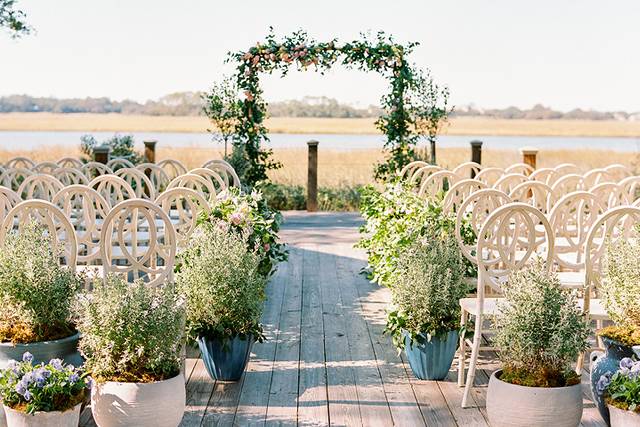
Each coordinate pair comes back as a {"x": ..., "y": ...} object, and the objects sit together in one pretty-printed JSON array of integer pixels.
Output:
[
  {"x": 225, "y": 363},
  {"x": 64, "y": 348},
  {"x": 432, "y": 360},
  {"x": 603, "y": 363}
]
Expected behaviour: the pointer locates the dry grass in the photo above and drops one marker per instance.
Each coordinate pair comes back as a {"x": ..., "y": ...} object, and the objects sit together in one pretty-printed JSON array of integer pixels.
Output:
[
  {"x": 458, "y": 126},
  {"x": 348, "y": 168}
]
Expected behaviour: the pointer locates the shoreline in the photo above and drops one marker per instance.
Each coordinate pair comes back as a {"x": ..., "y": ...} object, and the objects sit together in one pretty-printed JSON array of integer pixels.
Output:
[{"x": 458, "y": 126}]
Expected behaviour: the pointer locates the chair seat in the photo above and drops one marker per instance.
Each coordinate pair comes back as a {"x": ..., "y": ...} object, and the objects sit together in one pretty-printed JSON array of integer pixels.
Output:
[
  {"x": 571, "y": 279},
  {"x": 596, "y": 309},
  {"x": 470, "y": 305}
]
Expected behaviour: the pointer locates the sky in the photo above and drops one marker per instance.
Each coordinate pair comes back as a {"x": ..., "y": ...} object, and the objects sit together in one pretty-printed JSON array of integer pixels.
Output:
[{"x": 494, "y": 54}]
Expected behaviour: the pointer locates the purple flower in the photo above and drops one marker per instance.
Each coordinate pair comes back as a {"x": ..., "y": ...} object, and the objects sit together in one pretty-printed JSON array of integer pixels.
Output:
[
  {"x": 27, "y": 395},
  {"x": 236, "y": 218},
  {"x": 603, "y": 383},
  {"x": 21, "y": 388},
  {"x": 40, "y": 380},
  {"x": 27, "y": 357},
  {"x": 28, "y": 378},
  {"x": 73, "y": 378},
  {"x": 626, "y": 362},
  {"x": 635, "y": 371},
  {"x": 46, "y": 373},
  {"x": 56, "y": 363}
]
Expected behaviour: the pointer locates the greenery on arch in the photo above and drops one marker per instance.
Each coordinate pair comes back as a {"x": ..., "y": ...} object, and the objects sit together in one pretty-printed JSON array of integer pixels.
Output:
[{"x": 414, "y": 107}]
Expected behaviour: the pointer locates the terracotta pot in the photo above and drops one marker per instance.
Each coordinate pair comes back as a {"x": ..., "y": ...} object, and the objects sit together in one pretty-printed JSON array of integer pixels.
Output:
[
  {"x": 622, "y": 418},
  {"x": 157, "y": 404},
  {"x": 516, "y": 405},
  {"x": 43, "y": 351},
  {"x": 68, "y": 418}
]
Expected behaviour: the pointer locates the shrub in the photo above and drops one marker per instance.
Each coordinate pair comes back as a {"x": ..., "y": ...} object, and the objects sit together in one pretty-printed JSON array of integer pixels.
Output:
[
  {"x": 121, "y": 147},
  {"x": 36, "y": 292},
  {"x": 620, "y": 289},
  {"x": 427, "y": 291},
  {"x": 46, "y": 387},
  {"x": 132, "y": 332},
  {"x": 223, "y": 285},
  {"x": 294, "y": 197},
  {"x": 623, "y": 388},
  {"x": 249, "y": 216},
  {"x": 395, "y": 219},
  {"x": 539, "y": 330}
]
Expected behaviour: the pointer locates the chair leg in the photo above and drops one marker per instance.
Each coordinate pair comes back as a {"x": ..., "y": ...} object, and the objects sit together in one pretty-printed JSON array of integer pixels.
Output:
[
  {"x": 462, "y": 349},
  {"x": 477, "y": 338},
  {"x": 598, "y": 337},
  {"x": 580, "y": 363}
]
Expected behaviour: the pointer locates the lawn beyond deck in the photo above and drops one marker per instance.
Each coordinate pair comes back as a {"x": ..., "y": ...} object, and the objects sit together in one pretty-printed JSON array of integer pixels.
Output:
[{"x": 326, "y": 360}]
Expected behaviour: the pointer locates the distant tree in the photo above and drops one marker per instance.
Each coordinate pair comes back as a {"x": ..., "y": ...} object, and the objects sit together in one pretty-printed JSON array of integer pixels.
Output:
[
  {"x": 223, "y": 107},
  {"x": 430, "y": 109},
  {"x": 13, "y": 19}
]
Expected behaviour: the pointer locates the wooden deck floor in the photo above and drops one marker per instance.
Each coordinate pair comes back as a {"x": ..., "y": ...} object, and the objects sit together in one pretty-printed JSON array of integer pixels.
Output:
[{"x": 326, "y": 360}]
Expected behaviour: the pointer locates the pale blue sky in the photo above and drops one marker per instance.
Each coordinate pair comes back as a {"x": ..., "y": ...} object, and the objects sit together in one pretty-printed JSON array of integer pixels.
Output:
[{"x": 564, "y": 54}]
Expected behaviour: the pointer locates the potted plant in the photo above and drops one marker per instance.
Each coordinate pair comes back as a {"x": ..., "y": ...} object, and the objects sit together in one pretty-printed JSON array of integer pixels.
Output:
[
  {"x": 43, "y": 395},
  {"x": 224, "y": 290},
  {"x": 426, "y": 295},
  {"x": 622, "y": 393},
  {"x": 36, "y": 298},
  {"x": 132, "y": 340},
  {"x": 539, "y": 332},
  {"x": 619, "y": 295}
]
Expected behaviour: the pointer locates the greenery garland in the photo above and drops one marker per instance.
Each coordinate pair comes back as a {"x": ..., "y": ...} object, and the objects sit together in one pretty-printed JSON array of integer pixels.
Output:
[{"x": 406, "y": 108}]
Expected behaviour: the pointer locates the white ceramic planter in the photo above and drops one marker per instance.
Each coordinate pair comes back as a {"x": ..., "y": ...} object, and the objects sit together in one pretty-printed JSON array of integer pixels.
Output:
[
  {"x": 622, "y": 418},
  {"x": 158, "y": 404},
  {"x": 514, "y": 405},
  {"x": 69, "y": 418}
]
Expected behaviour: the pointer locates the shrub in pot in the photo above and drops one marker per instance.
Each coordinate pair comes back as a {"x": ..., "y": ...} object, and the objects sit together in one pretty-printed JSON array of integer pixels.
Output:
[
  {"x": 36, "y": 298},
  {"x": 132, "y": 341},
  {"x": 224, "y": 290},
  {"x": 44, "y": 395},
  {"x": 619, "y": 292},
  {"x": 539, "y": 332},
  {"x": 622, "y": 393},
  {"x": 426, "y": 320}
]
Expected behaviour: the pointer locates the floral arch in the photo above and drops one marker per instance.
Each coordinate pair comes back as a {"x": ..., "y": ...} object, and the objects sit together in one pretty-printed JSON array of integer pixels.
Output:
[{"x": 405, "y": 110}]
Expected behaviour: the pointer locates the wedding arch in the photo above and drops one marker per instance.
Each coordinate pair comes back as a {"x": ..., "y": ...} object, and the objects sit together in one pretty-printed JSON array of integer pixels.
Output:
[{"x": 380, "y": 53}]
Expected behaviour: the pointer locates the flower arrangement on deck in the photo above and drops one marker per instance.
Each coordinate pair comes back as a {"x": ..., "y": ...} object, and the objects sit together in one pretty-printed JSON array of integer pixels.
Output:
[{"x": 622, "y": 389}]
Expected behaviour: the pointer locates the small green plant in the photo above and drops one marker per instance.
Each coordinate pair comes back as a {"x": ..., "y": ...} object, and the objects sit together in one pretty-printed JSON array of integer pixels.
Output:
[
  {"x": 45, "y": 387},
  {"x": 539, "y": 330},
  {"x": 622, "y": 390},
  {"x": 620, "y": 291},
  {"x": 427, "y": 291},
  {"x": 221, "y": 280},
  {"x": 36, "y": 292},
  {"x": 121, "y": 147},
  {"x": 250, "y": 216},
  {"x": 284, "y": 197},
  {"x": 132, "y": 332}
]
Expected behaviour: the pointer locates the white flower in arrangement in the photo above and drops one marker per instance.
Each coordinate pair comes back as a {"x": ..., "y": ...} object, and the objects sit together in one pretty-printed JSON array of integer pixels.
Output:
[
  {"x": 236, "y": 218},
  {"x": 256, "y": 196}
]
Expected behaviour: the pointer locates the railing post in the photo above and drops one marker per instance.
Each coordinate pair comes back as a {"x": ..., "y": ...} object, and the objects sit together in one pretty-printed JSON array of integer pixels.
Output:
[
  {"x": 312, "y": 177},
  {"x": 101, "y": 154},
  {"x": 150, "y": 150},
  {"x": 476, "y": 154},
  {"x": 529, "y": 155}
]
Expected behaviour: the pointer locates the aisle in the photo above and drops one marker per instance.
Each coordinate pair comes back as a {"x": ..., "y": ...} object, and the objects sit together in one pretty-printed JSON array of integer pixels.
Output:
[{"x": 325, "y": 359}]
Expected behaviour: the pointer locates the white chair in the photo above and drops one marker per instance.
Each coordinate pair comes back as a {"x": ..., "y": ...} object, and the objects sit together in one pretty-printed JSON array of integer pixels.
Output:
[
  {"x": 226, "y": 172},
  {"x": 13, "y": 177},
  {"x": 183, "y": 206},
  {"x": 69, "y": 162},
  {"x": 86, "y": 209},
  {"x": 45, "y": 167},
  {"x": 437, "y": 184},
  {"x": 490, "y": 175},
  {"x": 156, "y": 175},
  {"x": 140, "y": 183},
  {"x": 20, "y": 163},
  {"x": 119, "y": 163},
  {"x": 610, "y": 194},
  {"x": 8, "y": 199},
  {"x": 597, "y": 176},
  {"x": 70, "y": 176},
  {"x": 408, "y": 171},
  {"x": 534, "y": 193},
  {"x": 521, "y": 168},
  {"x": 173, "y": 168},
  {"x": 218, "y": 182},
  {"x": 467, "y": 169},
  {"x": 49, "y": 216},
  {"x": 95, "y": 169},
  {"x": 422, "y": 173},
  {"x": 631, "y": 186},
  {"x": 201, "y": 185},
  {"x": 568, "y": 184},
  {"x": 618, "y": 172},
  {"x": 138, "y": 242},
  {"x": 459, "y": 192},
  {"x": 510, "y": 181},
  {"x": 113, "y": 188},
  {"x": 506, "y": 243},
  {"x": 39, "y": 186},
  {"x": 545, "y": 175},
  {"x": 567, "y": 169}
]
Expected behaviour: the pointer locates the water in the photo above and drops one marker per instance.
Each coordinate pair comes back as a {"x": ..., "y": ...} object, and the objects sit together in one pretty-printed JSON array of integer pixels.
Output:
[{"x": 33, "y": 140}]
